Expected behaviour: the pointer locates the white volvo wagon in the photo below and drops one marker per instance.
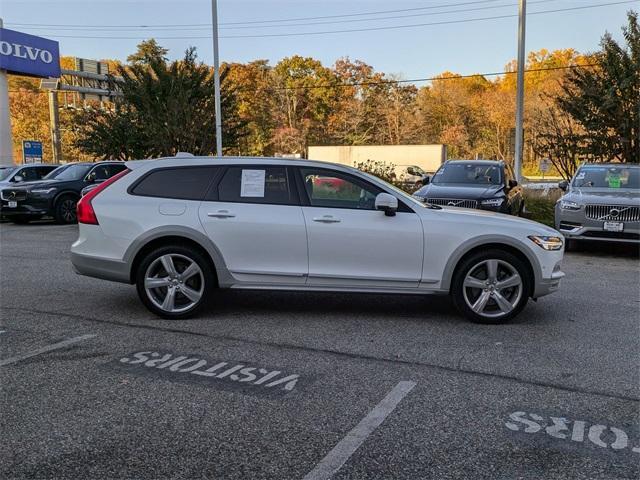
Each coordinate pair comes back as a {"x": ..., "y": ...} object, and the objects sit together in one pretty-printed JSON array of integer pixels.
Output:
[{"x": 179, "y": 227}]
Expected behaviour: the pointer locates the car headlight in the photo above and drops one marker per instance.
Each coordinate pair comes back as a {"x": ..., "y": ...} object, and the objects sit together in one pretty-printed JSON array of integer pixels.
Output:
[
  {"x": 547, "y": 242},
  {"x": 492, "y": 202},
  {"x": 568, "y": 205},
  {"x": 43, "y": 191}
]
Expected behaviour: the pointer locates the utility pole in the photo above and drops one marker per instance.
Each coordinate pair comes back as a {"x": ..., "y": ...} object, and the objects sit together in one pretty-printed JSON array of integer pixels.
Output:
[
  {"x": 216, "y": 77},
  {"x": 6, "y": 140},
  {"x": 522, "y": 14},
  {"x": 54, "y": 125}
]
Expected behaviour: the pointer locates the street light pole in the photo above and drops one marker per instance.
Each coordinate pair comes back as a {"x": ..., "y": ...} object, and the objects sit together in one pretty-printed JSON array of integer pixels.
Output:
[
  {"x": 522, "y": 14},
  {"x": 216, "y": 77}
]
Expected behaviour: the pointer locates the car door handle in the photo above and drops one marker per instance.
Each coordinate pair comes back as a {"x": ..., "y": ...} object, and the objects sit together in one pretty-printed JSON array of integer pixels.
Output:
[
  {"x": 326, "y": 219},
  {"x": 221, "y": 214}
]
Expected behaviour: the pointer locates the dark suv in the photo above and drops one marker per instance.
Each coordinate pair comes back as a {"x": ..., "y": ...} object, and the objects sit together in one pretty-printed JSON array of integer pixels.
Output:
[
  {"x": 483, "y": 184},
  {"x": 56, "y": 194}
]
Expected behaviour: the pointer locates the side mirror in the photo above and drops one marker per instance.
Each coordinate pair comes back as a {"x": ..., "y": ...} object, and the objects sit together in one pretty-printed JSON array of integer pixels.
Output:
[
  {"x": 387, "y": 203},
  {"x": 426, "y": 179},
  {"x": 18, "y": 178},
  {"x": 513, "y": 183},
  {"x": 563, "y": 185}
]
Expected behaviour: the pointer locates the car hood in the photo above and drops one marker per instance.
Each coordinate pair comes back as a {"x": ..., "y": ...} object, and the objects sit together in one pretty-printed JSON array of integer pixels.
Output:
[
  {"x": 453, "y": 190},
  {"x": 38, "y": 184},
  {"x": 493, "y": 220},
  {"x": 603, "y": 196}
]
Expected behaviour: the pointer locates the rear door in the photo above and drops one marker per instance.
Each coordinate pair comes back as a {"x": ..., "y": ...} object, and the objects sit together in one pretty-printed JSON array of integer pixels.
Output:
[
  {"x": 253, "y": 216},
  {"x": 351, "y": 244}
]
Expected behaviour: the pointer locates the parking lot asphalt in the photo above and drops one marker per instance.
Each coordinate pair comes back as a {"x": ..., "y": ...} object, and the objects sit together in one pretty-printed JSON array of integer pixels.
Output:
[{"x": 307, "y": 385}]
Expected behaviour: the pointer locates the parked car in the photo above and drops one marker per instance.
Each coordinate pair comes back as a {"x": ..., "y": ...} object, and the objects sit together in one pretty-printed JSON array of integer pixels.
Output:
[
  {"x": 56, "y": 194},
  {"x": 90, "y": 187},
  {"x": 178, "y": 228},
  {"x": 601, "y": 203},
  {"x": 483, "y": 184},
  {"x": 11, "y": 174}
]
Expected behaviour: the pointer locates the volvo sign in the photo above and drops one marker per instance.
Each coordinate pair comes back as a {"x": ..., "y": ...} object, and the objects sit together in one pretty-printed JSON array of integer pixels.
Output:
[{"x": 25, "y": 54}]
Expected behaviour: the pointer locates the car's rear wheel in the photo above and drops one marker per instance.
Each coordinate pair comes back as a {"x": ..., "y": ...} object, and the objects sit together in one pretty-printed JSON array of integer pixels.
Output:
[
  {"x": 175, "y": 282},
  {"x": 491, "y": 286},
  {"x": 65, "y": 209}
]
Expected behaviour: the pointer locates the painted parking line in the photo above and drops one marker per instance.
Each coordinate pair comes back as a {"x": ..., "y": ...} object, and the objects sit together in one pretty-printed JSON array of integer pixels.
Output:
[
  {"x": 48, "y": 348},
  {"x": 346, "y": 447}
]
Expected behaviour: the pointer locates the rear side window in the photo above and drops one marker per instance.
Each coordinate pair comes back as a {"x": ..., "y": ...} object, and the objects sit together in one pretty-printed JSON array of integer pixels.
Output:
[
  {"x": 255, "y": 185},
  {"x": 185, "y": 183}
]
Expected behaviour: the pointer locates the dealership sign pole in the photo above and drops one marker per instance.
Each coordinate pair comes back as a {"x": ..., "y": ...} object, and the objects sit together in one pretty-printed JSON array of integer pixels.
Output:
[
  {"x": 6, "y": 142},
  {"x": 22, "y": 54}
]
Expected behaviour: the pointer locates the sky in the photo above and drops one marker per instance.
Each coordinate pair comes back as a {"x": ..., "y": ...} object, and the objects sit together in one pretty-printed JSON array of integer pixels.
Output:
[{"x": 457, "y": 42}]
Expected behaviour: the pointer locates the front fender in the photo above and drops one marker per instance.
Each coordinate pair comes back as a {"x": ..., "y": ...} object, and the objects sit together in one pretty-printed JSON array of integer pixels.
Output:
[{"x": 482, "y": 240}]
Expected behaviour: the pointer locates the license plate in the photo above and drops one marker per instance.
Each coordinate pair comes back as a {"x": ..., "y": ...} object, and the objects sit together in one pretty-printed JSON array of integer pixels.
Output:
[
  {"x": 613, "y": 226},
  {"x": 13, "y": 204}
]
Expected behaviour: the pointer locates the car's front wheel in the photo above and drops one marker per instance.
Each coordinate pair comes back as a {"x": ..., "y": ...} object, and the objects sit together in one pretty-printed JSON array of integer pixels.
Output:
[
  {"x": 491, "y": 286},
  {"x": 65, "y": 209},
  {"x": 174, "y": 282}
]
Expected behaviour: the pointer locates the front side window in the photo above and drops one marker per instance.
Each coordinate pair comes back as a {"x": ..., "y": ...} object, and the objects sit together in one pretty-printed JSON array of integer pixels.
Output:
[
  {"x": 607, "y": 176},
  {"x": 329, "y": 189},
  {"x": 468, "y": 173},
  {"x": 269, "y": 185},
  {"x": 28, "y": 174},
  {"x": 184, "y": 183}
]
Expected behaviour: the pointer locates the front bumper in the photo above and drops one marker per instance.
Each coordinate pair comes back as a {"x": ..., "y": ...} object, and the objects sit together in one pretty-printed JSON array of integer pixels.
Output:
[
  {"x": 32, "y": 207},
  {"x": 575, "y": 225}
]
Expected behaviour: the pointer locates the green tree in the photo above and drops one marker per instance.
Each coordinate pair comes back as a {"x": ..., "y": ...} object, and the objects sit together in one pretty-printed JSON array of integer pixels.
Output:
[
  {"x": 164, "y": 109},
  {"x": 605, "y": 101},
  {"x": 148, "y": 51}
]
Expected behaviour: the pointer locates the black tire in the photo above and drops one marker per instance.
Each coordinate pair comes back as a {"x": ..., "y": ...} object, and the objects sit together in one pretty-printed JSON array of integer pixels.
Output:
[
  {"x": 206, "y": 281},
  {"x": 493, "y": 314},
  {"x": 570, "y": 245},
  {"x": 64, "y": 210},
  {"x": 21, "y": 220}
]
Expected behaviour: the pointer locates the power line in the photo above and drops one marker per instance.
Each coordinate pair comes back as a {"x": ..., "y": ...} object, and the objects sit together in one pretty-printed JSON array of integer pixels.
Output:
[
  {"x": 395, "y": 27},
  {"x": 429, "y": 79},
  {"x": 491, "y": 7},
  {"x": 379, "y": 12},
  {"x": 393, "y": 82}
]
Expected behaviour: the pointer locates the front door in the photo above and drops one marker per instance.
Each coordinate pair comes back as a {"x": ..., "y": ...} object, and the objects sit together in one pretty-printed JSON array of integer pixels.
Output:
[
  {"x": 254, "y": 218},
  {"x": 351, "y": 244}
]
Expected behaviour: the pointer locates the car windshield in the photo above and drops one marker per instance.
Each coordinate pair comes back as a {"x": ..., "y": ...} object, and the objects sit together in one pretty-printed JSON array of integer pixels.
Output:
[
  {"x": 607, "y": 176},
  {"x": 69, "y": 172},
  {"x": 468, "y": 173},
  {"x": 5, "y": 172}
]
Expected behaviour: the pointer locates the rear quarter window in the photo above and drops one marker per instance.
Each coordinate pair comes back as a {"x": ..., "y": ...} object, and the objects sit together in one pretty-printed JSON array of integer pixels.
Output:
[{"x": 184, "y": 183}]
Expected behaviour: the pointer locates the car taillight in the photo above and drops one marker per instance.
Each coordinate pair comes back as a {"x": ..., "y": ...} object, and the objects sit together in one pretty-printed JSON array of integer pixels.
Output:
[{"x": 84, "y": 209}]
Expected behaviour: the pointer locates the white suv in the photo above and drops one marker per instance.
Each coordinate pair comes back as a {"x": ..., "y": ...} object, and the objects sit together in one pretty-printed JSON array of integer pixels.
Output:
[{"x": 180, "y": 227}]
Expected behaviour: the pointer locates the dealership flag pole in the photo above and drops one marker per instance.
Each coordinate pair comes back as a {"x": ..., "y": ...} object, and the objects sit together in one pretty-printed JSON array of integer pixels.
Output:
[
  {"x": 6, "y": 142},
  {"x": 216, "y": 77}
]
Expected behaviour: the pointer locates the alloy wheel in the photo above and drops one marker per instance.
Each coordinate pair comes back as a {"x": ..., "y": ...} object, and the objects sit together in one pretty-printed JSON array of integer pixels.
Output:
[
  {"x": 174, "y": 283},
  {"x": 68, "y": 210},
  {"x": 492, "y": 288}
]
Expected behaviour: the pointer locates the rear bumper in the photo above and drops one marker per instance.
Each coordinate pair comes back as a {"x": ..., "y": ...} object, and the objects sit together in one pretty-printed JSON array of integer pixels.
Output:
[{"x": 105, "y": 269}]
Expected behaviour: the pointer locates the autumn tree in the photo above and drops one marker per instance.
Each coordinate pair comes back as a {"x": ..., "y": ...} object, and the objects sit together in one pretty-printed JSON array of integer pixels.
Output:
[
  {"x": 164, "y": 109},
  {"x": 148, "y": 52},
  {"x": 605, "y": 101}
]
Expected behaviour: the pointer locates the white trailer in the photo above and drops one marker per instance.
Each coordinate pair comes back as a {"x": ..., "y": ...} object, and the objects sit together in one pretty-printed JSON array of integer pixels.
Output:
[{"x": 411, "y": 162}]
